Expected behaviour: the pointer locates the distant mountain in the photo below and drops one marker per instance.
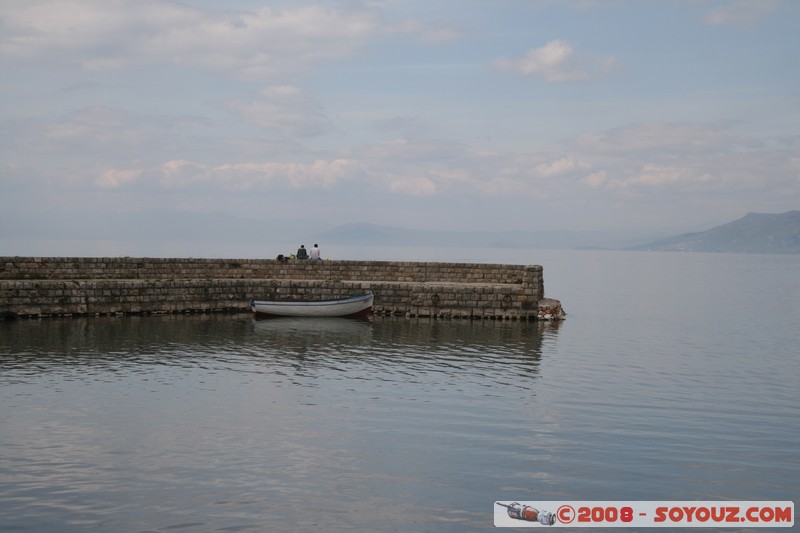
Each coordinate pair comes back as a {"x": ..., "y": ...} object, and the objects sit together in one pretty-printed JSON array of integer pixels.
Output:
[
  {"x": 754, "y": 233},
  {"x": 363, "y": 234},
  {"x": 152, "y": 228}
]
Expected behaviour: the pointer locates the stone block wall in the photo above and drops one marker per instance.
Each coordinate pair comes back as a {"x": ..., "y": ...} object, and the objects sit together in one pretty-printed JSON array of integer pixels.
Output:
[{"x": 60, "y": 286}]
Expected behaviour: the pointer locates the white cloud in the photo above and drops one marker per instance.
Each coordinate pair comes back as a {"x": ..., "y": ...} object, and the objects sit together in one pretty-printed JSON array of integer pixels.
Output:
[
  {"x": 654, "y": 175},
  {"x": 415, "y": 186},
  {"x": 433, "y": 33},
  {"x": 250, "y": 175},
  {"x": 285, "y": 109},
  {"x": 181, "y": 173},
  {"x": 560, "y": 167},
  {"x": 682, "y": 158},
  {"x": 643, "y": 161},
  {"x": 96, "y": 127},
  {"x": 596, "y": 179},
  {"x": 743, "y": 13},
  {"x": 254, "y": 44},
  {"x": 645, "y": 158},
  {"x": 115, "y": 178},
  {"x": 408, "y": 153},
  {"x": 236, "y": 177},
  {"x": 557, "y": 61},
  {"x": 249, "y": 147},
  {"x": 481, "y": 180},
  {"x": 663, "y": 137},
  {"x": 324, "y": 174},
  {"x": 219, "y": 105}
]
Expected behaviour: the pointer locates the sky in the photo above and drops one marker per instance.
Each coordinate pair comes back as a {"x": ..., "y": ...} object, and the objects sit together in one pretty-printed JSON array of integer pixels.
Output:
[{"x": 453, "y": 114}]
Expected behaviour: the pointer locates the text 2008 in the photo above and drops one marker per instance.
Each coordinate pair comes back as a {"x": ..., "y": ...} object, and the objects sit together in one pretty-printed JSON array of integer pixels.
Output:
[{"x": 605, "y": 514}]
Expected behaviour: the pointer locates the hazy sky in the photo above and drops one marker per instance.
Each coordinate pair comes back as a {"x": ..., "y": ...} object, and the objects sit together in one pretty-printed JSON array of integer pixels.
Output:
[{"x": 458, "y": 114}]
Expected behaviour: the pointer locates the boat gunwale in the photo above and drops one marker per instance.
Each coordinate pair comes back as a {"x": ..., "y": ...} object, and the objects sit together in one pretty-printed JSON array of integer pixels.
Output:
[{"x": 327, "y": 301}]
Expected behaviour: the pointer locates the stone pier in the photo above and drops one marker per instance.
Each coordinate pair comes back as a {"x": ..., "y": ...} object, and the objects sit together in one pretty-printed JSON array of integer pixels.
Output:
[{"x": 70, "y": 286}]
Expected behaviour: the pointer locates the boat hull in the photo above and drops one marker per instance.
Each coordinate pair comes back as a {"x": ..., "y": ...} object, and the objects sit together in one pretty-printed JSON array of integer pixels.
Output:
[{"x": 353, "y": 307}]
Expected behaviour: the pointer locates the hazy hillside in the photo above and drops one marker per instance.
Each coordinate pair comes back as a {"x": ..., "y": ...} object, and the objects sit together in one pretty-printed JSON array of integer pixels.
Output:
[
  {"x": 371, "y": 234},
  {"x": 753, "y": 233},
  {"x": 765, "y": 233},
  {"x": 185, "y": 227}
]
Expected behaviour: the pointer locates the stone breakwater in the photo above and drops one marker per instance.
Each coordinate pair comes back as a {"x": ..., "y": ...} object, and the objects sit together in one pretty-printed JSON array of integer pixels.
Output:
[{"x": 64, "y": 286}]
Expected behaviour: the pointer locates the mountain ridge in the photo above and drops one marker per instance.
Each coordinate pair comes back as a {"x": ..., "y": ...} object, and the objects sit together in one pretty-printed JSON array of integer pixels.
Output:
[
  {"x": 362, "y": 233},
  {"x": 753, "y": 233},
  {"x": 777, "y": 233}
]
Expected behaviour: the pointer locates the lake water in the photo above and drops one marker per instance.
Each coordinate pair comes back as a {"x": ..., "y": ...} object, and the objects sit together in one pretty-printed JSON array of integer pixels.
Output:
[{"x": 674, "y": 377}]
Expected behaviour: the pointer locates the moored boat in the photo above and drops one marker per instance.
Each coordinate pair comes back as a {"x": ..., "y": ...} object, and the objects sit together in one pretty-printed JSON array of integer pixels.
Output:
[{"x": 351, "y": 307}]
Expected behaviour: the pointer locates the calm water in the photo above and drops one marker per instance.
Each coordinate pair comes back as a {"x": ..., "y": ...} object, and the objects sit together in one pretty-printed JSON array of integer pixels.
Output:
[{"x": 675, "y": 376}]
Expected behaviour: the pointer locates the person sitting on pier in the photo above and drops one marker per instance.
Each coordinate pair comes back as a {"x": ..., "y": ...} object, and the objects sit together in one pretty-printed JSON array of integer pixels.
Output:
[
  {"x": 315, "y": 253},
  {"x": 302, "y": 253}
]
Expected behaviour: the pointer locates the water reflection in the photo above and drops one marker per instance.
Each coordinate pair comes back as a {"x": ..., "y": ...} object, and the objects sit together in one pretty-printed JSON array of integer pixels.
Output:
[
  {"x": 111, "y": 344},
  {"x": 236, "y": 342},
  {"x": 217, "y": 422},
  {"x": 312, "y": 331}
]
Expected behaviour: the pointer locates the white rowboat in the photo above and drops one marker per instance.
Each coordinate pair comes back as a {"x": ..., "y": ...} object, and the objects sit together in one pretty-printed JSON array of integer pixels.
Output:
[{"x": 354, "y": 306}]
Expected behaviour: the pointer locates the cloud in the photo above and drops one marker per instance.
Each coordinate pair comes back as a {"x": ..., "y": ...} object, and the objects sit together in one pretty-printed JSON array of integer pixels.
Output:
[
  {"x": 414, "y": 186},
  {"x": 596, "y": 179},
  {"x": 689, "y": 158},
  {"x": 99, "y": 135},
  {"x": 455, "y": 168},
  {"x": 255, "y": 44},
  {"x": 405, "y": 126},
  {"x": 664, "y": 138},
  {"x": 557, "y": 62},
  {"x": 97, "y": 128},
  {"x": 742, "y": 13},
  {"x": 474, "y": 173},
  {"x": 250, "y": 175},
  {"x": 481, "y": 179},
  {"x": 252, "y": 147},
  {"x": 560, "y": 167},
  {"x": 659, "y": 176},
  {"x": 641, "y": 160},
  {"x": 433, "y": 33},
  {"x": 114, "y": 178},
  {"x": 285, "y": 109},
  {"x": 181, "y": 173},
  {"x": 413, "y": 153}
]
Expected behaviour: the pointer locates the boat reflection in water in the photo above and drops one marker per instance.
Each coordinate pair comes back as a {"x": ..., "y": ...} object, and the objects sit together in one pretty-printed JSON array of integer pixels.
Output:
[
  {"x": 398, "y": 348},
  {"x": 329, "y": 330}
]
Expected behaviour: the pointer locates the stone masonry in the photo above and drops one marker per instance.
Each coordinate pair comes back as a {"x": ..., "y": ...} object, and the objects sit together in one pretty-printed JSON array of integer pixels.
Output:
[{"x": 63, "y": 286}]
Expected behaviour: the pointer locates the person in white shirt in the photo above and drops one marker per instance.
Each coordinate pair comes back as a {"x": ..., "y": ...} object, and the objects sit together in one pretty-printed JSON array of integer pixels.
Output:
[{"x": 315, "y": 253}]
